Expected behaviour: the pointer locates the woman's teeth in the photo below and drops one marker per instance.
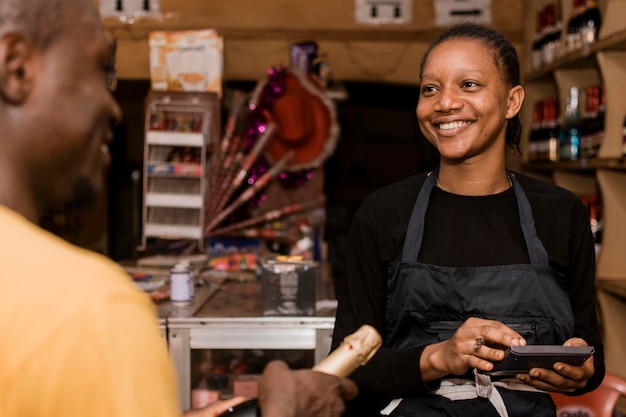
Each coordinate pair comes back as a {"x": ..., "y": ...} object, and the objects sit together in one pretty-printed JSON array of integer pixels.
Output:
[{"x": 452, "y": 125}]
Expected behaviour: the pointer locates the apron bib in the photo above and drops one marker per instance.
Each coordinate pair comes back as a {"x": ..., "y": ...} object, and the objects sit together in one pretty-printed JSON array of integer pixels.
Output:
[{"x": 427, "y": 303}]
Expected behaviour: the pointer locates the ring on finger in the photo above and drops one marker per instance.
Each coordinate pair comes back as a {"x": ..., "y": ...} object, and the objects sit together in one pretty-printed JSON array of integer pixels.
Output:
[{"x": 479, "y": 342}]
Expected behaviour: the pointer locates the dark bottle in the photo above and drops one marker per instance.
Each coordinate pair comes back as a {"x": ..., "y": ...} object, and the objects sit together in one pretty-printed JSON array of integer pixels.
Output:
[
  {"x": 598, "y": 123},
  {"x": 595, "y": 220},
  {"x": 355, "y": 350},
  {"x": 574, "y": 38},
  {"x": 552, "y": 35},
  {"x": 569, "y": 139},
  {"x": 537, "y": 60},
  {"x": 590, "y": 22},
  {"x": 536, "y": 134},
  {"x": 588, "y": 123},
  {"x": 551, "y": 130}
]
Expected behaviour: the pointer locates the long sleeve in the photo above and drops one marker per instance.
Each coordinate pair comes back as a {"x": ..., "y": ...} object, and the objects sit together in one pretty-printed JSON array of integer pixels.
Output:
[
  {"x": 391, "y": 373},
  {"x": 581, "y": 282}
]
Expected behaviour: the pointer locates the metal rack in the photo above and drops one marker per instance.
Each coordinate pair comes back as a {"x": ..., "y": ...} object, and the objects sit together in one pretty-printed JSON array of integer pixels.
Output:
[{"x": 175, "y": 191}]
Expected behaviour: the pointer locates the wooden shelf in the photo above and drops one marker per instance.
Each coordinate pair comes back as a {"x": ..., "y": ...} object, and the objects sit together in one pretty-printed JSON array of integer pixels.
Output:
[
  {"x": 580, "y": 165},
  {"x": 582, "y": 58},
  {"x": 366, "y": 34},
  {"x": 601, "y": 62}
]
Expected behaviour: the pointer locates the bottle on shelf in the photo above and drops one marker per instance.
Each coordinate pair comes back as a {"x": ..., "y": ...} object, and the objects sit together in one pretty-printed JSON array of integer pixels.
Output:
[
  {"x": 552, "y": 35},
  {"x": 574, "y": 38},
  {"x": 552, "y": 128},
  {"x": 355, "y": 350},
  {"x": 569, "y": 138},
  {"x": 537, "y": 60},
  {"x": 536, "y": 133},
  {"x": 590, "y": 22},
  {"x": 595, "y": 219},
  {"x": 598, "y": 123},
  {"x": 588, "y": 124}
]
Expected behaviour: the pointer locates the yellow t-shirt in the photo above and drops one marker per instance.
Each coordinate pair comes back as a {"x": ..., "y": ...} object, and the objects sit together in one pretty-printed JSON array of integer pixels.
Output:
[{"x": 78, "y": 338}]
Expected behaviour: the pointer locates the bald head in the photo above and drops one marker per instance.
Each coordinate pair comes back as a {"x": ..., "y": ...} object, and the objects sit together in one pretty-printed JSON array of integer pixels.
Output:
[{"x": 41, "y": 20}]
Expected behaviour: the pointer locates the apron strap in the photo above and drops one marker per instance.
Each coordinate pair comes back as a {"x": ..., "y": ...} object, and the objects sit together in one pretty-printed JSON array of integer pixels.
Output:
[
  {"x": 415, "y": 231},
  {"x": 536, "y": 251}
]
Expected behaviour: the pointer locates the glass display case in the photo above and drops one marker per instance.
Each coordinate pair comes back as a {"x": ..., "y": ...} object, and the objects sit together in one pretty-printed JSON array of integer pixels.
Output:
[{"x": 222, "y": 340}]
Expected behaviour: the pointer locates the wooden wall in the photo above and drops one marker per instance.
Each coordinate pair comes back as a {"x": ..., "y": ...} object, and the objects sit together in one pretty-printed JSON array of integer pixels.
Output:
[{"x": 257, "y": 35}]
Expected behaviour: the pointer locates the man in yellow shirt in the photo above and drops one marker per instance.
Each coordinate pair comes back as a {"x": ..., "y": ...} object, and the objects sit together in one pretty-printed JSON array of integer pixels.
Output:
[{"x": 78, "y": 338}]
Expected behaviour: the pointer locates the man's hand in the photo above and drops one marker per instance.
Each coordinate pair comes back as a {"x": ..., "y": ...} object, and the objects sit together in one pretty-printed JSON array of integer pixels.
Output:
[
  {"x": 214, "y": 409},
  {"x": 302, "y": 393}
]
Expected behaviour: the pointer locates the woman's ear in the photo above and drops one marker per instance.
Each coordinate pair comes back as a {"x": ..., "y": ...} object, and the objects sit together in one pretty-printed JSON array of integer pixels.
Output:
[
  {"x": 516, "y": 98},
  {"x": 16, "y": 68}
]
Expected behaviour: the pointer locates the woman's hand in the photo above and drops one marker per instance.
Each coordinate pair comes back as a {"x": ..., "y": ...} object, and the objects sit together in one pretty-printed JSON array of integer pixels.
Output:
[
  {"x": 564, "y": 377},
  {"x": 476, "y": 344}
]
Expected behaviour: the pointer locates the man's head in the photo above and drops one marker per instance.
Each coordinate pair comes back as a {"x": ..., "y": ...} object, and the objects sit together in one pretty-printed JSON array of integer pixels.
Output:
[{"x": 56, "y": 110}]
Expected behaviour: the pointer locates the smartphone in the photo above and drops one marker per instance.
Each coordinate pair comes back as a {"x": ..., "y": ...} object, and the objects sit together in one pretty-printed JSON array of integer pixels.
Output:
[{"x": 520, "y": 359}]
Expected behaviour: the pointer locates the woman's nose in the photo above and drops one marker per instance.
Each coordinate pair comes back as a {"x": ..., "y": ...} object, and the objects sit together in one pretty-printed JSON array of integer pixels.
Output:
[{"x": 448, "y": 100}]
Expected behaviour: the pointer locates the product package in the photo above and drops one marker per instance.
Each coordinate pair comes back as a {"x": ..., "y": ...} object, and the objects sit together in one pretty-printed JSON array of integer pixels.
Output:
[
  {"x": 186, "y": 60},
  {"x": 289, "y": 288}
]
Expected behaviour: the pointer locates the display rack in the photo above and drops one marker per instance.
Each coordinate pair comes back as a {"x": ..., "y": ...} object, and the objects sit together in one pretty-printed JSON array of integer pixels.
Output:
[
  {"x": 181, "y": 129},
  {"x": 603, "y": 61}
]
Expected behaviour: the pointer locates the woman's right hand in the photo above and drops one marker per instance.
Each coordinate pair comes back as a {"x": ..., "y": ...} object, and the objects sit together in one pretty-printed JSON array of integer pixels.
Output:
[{"x": 477, "y": 343}]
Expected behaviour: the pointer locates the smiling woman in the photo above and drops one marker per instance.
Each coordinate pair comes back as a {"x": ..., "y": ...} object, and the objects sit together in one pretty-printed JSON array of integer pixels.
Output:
[{"x": 456, "y": 265}]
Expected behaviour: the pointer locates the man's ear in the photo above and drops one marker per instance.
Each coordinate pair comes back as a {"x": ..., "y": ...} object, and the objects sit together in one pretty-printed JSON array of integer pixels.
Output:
[{"x": 16, "y": 68}]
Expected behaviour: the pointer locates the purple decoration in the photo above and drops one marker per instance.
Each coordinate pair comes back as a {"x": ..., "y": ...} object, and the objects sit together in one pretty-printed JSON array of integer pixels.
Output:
[{"x": 271, "y": 91}]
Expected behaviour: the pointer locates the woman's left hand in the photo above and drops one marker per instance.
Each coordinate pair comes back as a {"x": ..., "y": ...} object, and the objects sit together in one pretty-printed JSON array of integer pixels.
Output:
[{"x": 564, "y": 377}]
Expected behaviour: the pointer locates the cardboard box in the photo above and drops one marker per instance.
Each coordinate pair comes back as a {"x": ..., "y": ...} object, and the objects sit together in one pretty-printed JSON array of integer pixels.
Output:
[{"x": 189, "y": 60}]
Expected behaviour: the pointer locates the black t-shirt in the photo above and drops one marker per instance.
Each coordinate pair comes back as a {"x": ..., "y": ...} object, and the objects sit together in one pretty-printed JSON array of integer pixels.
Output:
[{"x": 459, "y": 231}]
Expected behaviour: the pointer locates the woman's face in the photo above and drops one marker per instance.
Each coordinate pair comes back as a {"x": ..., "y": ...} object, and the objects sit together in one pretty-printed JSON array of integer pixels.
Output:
[{"x": 464, "y": 102}]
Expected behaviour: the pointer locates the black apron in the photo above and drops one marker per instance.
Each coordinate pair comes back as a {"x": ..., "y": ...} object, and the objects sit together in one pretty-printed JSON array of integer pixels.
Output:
[{"x": 427, "y": 303}]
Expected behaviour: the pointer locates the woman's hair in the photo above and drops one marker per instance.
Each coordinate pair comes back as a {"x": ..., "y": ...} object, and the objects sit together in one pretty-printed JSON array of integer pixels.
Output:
[{"x": 505, "y": 57}]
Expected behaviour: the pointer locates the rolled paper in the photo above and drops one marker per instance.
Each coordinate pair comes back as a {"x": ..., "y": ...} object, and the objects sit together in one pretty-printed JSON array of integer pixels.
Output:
[
  {"x": 273, "y": 215},
  {"x": 218, "y": 184},
  {"x": 247, "y": 163},
  {"x": 254, "y": 154},
  {"x": 250, "y": 192},
  {"x": 354, "y": 351},
  {"x": 237, "y": 102}
]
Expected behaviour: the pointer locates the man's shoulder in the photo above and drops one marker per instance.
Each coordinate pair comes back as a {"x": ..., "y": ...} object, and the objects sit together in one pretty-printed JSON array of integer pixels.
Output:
[{"x": 41, "y": 266}]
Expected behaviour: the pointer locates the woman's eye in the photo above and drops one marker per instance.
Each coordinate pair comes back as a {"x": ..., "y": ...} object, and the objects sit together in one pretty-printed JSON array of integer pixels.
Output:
[
  {"x": 470, "y": 84},
  {"x": 428, "y": 89}
]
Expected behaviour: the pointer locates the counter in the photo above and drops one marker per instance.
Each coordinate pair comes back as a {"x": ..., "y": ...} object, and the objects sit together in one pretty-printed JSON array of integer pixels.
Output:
[{"x": 227, "y": 314}]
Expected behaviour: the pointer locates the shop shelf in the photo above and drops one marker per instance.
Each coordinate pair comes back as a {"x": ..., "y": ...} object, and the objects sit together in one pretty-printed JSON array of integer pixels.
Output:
[{"x": 155, "y": 137}]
